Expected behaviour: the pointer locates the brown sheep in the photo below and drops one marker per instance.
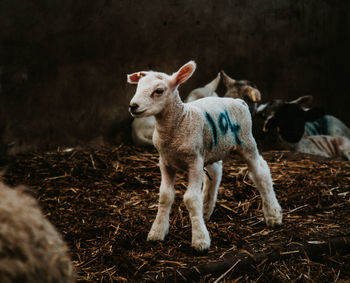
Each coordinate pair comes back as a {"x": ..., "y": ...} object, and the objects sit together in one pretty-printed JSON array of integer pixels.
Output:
[{"x": 31, "y": 249}]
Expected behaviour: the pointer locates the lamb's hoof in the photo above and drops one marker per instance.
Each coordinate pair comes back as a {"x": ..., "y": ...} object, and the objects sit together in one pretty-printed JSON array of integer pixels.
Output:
[
  {"x": 273, "y": 222},
  {"x": 158, "y": 231},
  {"x": 156, "y": 235},
  {"x": 201, "y": 244},
  {"x": 273, "y": 216}
]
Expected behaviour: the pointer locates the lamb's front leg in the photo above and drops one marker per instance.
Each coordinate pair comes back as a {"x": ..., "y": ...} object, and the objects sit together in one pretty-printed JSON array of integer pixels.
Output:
[
  {"x": 194, "y": 203},
  {"x": 160, "y": 225}
]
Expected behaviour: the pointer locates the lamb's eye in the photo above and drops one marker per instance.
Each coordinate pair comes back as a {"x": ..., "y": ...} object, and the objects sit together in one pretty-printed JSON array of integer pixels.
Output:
[{"x": 159, "y": 91}]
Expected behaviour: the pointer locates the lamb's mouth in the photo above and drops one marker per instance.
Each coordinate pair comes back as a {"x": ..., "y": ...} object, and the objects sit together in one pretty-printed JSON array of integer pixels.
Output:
[{"x": 138, "y": 113}]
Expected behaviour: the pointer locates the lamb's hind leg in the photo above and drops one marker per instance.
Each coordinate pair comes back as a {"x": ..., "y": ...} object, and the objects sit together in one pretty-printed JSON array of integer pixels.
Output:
[
  {"x": 212, "y": 180},
  {"x": 160, "y": 225},
  {"x": 261, "y": 176}
]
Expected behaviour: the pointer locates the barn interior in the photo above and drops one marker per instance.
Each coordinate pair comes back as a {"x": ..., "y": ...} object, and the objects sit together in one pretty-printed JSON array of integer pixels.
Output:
[
  {"x": 65, "y": 131},
  {"x": 64, "y": 64}
]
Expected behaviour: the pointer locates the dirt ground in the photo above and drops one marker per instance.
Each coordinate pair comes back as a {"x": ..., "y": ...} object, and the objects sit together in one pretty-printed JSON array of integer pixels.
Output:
[{"x": 104, "y": 201}]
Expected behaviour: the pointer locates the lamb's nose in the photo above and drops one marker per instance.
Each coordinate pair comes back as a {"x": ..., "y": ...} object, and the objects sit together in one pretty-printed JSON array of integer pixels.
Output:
[{"x": 133, "y": 107}]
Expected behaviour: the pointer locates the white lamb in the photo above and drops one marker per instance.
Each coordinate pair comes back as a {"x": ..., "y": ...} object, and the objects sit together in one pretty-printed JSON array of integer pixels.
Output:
[
  {"x": 142, "y": 128},
  {"x": 191, "y": 136}
]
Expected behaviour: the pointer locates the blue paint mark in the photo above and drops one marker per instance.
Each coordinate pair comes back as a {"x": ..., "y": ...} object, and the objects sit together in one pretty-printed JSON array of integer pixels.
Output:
[
  {"x": 224, "y": 123},
  {"x": 234, "y": 128},
  {"x": 212, "y": 126},
  {"x": 310, "y": 129},
  {"x": 318, "y": 127}
]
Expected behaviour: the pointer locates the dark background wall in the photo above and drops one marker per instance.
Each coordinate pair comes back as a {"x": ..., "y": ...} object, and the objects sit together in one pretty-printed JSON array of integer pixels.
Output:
[{"x": 63, "y": 64}]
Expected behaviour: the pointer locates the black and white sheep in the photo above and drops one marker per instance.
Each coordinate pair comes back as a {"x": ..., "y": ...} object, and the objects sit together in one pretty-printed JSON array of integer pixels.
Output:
[
  {"x": 280, "y": 124},
  {"x": 290, "y": 125}
]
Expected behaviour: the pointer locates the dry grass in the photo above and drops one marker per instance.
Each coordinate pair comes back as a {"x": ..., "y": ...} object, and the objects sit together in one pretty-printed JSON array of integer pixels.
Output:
[{"x": 104, "y": 201}]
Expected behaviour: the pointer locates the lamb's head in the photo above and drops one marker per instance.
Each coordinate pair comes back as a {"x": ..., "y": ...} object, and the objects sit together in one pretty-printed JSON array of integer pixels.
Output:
[
  {"x": 243, "y": 89},
  {"x": 156, "y": 90}
]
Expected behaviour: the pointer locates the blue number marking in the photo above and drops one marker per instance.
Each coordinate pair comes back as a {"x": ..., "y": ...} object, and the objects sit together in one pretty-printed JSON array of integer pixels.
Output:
[
  {"x": 212, "y": 126},
  {"x": 224, "y": 123}
]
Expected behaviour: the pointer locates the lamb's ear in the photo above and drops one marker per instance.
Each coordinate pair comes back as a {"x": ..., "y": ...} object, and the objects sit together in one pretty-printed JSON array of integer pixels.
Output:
[
  {"x": 135, "y": 77},
  {"x": 303, "y": 101},
  {"x": 184, "y": 73},
  {"x": 226, "y": 79},
  {"x": 253, "y": 94}
]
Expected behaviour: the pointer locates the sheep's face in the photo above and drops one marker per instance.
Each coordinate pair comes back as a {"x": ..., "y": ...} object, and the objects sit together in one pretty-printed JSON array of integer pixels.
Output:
[
  {"x": 155, "y": 90},
  {"x": 243, "y": 89},
  {"x": 151, "y": 95},
  {"x": 284, "y": 119}
]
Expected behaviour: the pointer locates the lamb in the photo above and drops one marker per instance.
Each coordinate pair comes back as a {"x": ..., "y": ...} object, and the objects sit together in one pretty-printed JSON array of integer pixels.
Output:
[
  {"x": 243, "y": 89},
  {"x": 196, "y": 135},
  {"x": 143, "y": 128},
  {"x": 321, "y": 124},
  {"x": 325, "y": 124},
  {"x": 296, "y": 127},
  {"x": 317, "y": 123},
  {"x": 290, "y": 125},
  {"x": 31, "y": 250}
]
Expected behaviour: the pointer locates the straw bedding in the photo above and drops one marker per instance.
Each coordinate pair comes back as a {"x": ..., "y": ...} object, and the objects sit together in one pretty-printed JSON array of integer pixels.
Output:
[{"x": 103, "y": 201}]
